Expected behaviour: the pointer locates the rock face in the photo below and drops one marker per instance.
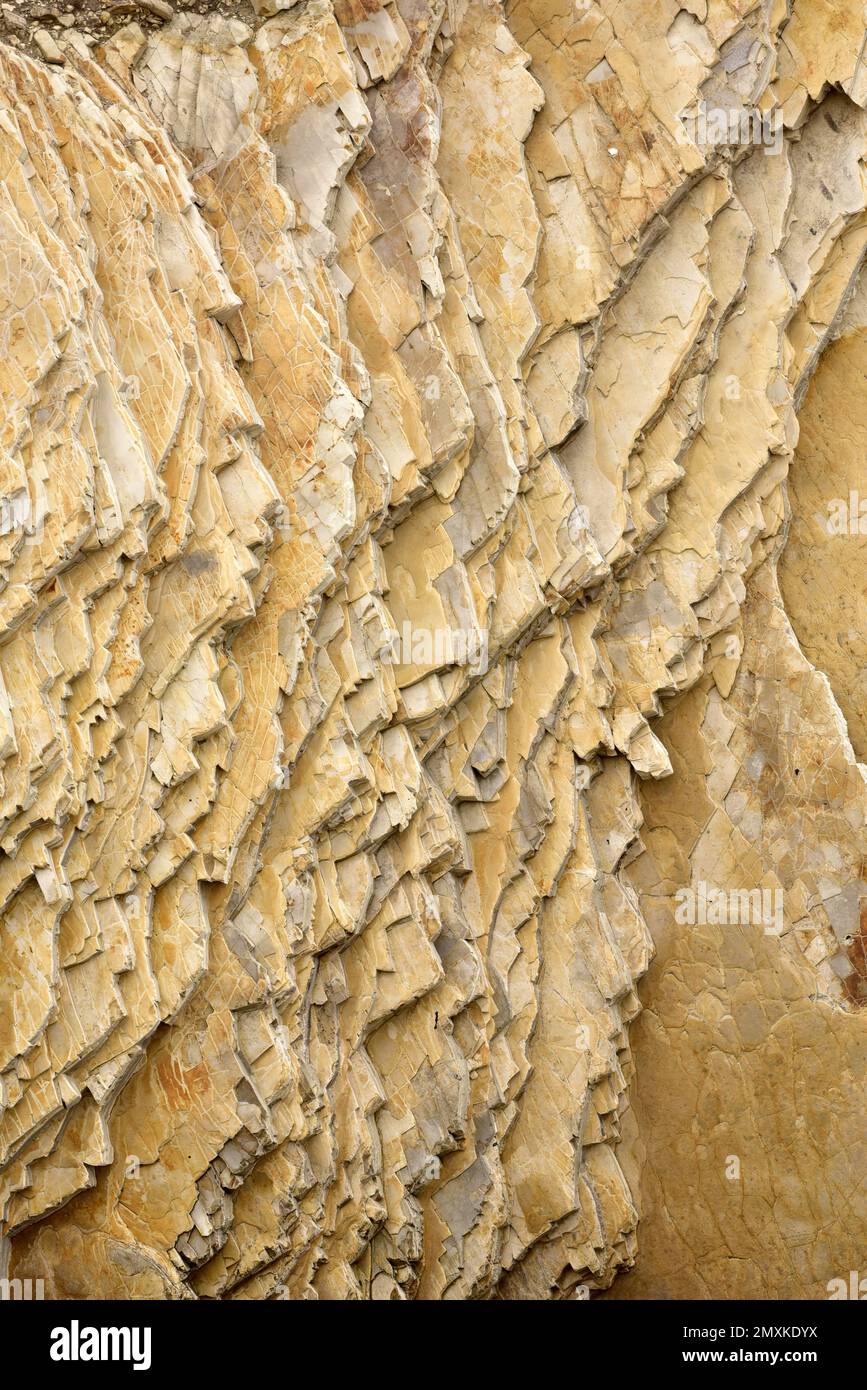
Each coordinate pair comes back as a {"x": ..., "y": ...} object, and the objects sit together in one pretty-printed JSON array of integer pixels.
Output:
[{"x": 418, "y": 615}]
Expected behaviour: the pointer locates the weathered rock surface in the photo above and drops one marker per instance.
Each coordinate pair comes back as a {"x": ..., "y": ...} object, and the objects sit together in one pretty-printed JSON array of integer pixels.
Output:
[{"x": 413, "y": 584}]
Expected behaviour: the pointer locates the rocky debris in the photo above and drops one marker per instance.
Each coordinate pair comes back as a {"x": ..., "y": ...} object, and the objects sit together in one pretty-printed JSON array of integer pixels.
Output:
[
  {"x": 400, "y": 403},
  {"x": 47, "y": 47},
  {"x": 95, "y": 21}
]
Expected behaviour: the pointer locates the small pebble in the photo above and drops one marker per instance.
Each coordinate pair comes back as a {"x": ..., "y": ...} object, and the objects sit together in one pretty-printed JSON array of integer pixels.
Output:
[
  {"x": 158, "y": 7},
  {"x": 47, "y": 47}
]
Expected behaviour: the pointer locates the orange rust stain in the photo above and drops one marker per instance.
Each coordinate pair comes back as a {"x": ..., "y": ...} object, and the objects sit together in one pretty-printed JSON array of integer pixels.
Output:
[
  {"x": 855, "y": 984},
  {"x": 182, "y": 1086}
]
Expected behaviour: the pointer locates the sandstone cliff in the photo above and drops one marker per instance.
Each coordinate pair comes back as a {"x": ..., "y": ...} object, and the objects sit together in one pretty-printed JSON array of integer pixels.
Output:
[{"x": 422, "y": 427}]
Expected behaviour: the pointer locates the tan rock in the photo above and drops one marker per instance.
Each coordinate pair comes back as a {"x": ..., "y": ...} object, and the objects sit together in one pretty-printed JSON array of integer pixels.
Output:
[{"x": 399, "y": 445}]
